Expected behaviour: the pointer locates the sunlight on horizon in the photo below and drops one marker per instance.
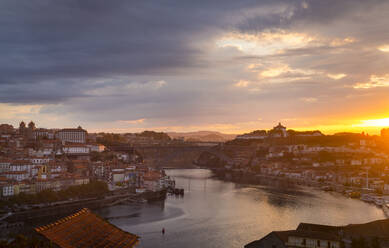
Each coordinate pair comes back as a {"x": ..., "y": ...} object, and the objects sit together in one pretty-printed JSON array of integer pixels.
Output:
[{"x": 374, "y": 123}]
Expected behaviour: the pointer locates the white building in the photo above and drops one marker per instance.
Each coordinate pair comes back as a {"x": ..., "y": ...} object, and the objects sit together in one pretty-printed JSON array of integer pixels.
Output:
[
  {"x": 279, "y": 131},
  {"x": 21, "y": 166},
  {"x": 75, "y": 149},
  {"x": 76, "y": 135},
  {"x": 17, "y": 175},
  {"x": 96, "y": 147},
  {"x": 7, "y": 190},
  {"x": 118, "y": 176},
  {"x": 4, "y": 165},
  {"x": 39, "y": 160}
]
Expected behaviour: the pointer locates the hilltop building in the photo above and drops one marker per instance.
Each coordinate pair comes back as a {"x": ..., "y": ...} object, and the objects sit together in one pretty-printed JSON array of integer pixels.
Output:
[
  {"x": 74, "y": 135},
  {"x": 278, "y": 131}
]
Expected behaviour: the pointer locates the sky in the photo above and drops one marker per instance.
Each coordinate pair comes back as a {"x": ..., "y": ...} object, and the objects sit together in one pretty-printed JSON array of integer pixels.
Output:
[{"x": 229, "y": 66}]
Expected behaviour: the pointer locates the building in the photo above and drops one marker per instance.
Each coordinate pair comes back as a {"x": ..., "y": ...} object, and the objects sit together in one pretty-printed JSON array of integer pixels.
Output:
[
  {"x": 42, "y": 133},
  {"x": 118, "y": 175},
  {"x": 96, "y": 147},
  {"x": 385, "y": 133},
  {"x": 21, "y": 165},
  {"x": 278, "y": 131},
  {"x": 151, "y": 181},
  {"x": 309, "y": 235},
  {"x": 6, "y": 129},
  {"x": 297, "y": 238},
  {"x": 4, "y": 165},
  {"x": 74, "y": 135},
  {"x": 16, "y": 175},
  {"x": 76, "y": 149},
  {"x": 7, "y": 190},
  {"x": 85, "y": 229},
  {"x": 22, "y": 128}
]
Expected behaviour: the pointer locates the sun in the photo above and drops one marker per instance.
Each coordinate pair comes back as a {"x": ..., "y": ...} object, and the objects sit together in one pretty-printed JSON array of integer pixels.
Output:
[{"x": 374, "y": 123}]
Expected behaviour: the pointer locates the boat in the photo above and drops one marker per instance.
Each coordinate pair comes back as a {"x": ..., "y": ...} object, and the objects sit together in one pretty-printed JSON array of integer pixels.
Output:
[
  {"x": 379, "y": 201},
  {"x": 367, "y": 198},
  {"x": 385, "y": 208},
  {"x": 355, "y": 194}
]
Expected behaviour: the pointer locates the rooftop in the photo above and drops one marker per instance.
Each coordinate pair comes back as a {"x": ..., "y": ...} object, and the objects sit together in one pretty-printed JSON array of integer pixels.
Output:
[{"x": 85, "y": 229}]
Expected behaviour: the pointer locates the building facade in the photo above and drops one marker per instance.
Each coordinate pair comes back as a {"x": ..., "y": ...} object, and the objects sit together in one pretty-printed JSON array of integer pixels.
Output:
[{"x": 74, "y": 135}]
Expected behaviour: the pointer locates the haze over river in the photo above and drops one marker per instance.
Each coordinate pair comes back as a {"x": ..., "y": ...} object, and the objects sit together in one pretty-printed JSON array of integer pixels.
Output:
[{"x": 215, "y": 213}]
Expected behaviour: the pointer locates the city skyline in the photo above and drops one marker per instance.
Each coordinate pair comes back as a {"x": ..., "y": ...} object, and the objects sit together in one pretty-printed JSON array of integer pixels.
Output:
[{"x": 231, "y": 67}]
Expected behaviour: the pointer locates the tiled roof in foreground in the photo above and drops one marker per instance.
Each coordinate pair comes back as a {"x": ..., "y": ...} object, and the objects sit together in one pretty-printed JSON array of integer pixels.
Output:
[{"x": 85, "y": 229}]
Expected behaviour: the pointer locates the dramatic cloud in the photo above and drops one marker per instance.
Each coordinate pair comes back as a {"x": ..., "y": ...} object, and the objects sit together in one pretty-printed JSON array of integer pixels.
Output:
[{"x": 130, "y": 65}]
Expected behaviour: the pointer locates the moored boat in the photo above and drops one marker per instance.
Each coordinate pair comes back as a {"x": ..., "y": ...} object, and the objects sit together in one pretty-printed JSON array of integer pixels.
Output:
[{"x": 385, "y": 208}]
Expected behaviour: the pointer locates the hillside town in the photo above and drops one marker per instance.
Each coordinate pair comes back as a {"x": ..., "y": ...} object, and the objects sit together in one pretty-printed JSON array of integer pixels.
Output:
[
  {"x": 43, "y": 169},
  {"x": 356, "y": 165},
  {"x": 34, "y": 160}
]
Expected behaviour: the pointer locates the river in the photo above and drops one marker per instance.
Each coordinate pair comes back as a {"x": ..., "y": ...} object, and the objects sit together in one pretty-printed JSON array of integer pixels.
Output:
[{"x": 215, "y": 213}]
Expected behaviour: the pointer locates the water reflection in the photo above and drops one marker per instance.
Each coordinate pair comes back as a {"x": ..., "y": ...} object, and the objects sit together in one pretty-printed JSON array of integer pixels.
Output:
[{"x": 214, "y": 213}]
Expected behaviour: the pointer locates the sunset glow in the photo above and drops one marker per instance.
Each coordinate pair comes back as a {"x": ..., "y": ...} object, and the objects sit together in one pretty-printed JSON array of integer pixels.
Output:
[
  {"x": 209, "y": 68},
  {"x": 234, "y": 123},
  {"x": 374, "y": 123}
]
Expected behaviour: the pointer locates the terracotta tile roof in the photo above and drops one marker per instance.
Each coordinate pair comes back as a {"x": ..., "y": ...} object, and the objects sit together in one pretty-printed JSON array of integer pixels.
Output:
[
  {"x": 85, "y": 229},
  {"x": 378, "y": 228},
  {"x": 72, "y": 130},
  {"x": 16, "y": 172}
]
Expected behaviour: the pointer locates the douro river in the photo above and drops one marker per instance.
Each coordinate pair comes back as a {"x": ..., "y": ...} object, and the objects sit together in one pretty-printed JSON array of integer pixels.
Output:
[{"x": 215, "y": 213}]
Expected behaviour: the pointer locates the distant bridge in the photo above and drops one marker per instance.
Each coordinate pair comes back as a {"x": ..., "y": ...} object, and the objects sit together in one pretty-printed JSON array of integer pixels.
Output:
[{"x": 171, "y": 155}]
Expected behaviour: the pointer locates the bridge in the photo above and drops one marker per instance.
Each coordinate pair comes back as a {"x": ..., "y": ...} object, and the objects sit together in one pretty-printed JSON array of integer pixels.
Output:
[{"x": 171, "y": 155}]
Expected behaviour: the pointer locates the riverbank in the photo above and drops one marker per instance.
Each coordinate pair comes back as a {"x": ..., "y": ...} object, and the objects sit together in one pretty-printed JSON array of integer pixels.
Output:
[{"x": 24, "y": 221}]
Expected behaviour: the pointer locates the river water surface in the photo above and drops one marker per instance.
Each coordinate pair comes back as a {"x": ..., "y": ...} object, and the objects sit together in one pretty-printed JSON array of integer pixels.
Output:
[{"x": 215, "y": 213}]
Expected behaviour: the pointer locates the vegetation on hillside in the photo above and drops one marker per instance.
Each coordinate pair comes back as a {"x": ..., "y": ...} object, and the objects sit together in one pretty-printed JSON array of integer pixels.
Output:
[
  {"x": 108, "y": 139},
  {"x": 92, "y": 189},
  {"x": 154, "y": 135}
]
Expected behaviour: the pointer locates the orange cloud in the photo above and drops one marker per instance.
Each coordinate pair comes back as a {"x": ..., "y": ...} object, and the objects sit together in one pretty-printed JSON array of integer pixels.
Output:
[
  {"x": 375, "y": 81},
  {"x": 336, "y": 76},
  {"x": 138, "y": 121},
  {"x": 242, "y": 84},
  {"x": 384, "y": 48}
]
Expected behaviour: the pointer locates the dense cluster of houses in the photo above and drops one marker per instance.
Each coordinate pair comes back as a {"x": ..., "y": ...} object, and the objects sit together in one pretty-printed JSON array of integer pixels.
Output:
[
  {"x": 35, "y": 159},
  {"x": 350, "y": 160},
  {"x": 344, "y": 165}
]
